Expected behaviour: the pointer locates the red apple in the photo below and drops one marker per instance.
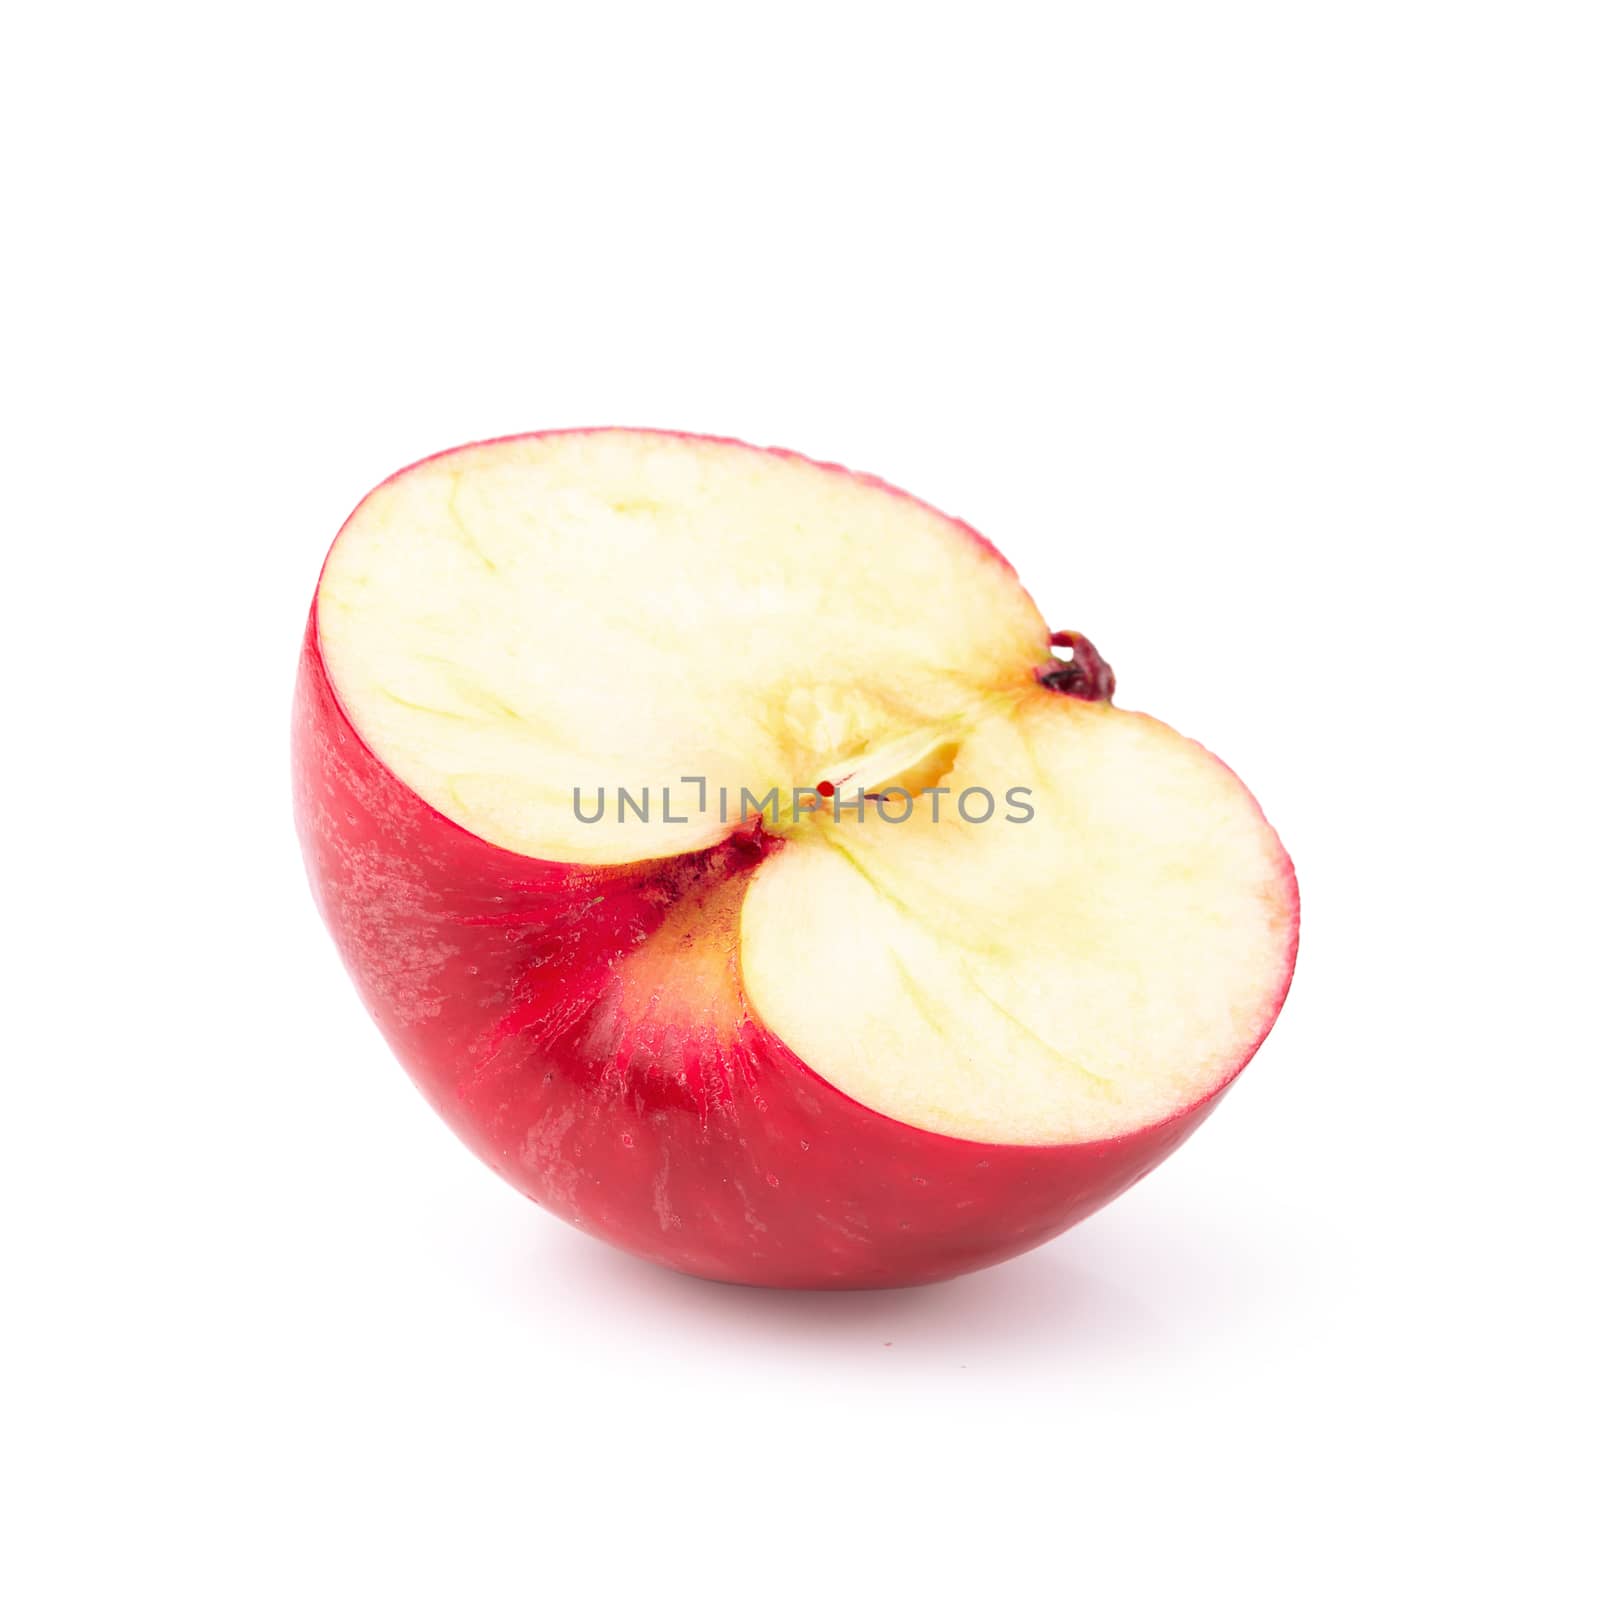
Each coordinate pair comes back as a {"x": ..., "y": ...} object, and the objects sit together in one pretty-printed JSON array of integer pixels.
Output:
[{"x": 867, "y": 1036}]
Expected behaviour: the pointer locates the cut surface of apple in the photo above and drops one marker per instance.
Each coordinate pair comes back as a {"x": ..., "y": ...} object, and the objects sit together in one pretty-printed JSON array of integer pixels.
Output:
[
  {"x": 874, "y": 830},
  {"x": 589, "y": 610}
]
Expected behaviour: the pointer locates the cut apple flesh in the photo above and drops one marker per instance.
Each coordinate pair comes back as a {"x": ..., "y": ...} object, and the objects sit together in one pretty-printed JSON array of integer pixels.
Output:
[
  {"x": 1083, "y": 929},
  {"x": 508, "y": 623}
]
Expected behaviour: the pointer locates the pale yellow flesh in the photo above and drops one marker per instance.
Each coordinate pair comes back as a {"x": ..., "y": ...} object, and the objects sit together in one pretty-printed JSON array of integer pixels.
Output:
[
  {"x": 510, "y": 623},
  {"x": 1086, "y": 972},
  {"x": 585, "y": 611}
]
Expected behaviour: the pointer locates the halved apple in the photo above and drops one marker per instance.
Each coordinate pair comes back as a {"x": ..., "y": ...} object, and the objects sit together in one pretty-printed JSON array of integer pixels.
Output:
[{"x": 724, "y": 849}]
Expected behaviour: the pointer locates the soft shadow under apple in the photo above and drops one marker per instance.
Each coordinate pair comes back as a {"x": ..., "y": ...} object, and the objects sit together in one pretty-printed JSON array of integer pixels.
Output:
[{"x": 1106, "y": 1292}]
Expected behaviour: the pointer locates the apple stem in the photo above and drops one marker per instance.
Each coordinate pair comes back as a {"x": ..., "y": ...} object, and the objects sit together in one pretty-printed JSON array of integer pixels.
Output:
[{"x": 1087, "y": 676}]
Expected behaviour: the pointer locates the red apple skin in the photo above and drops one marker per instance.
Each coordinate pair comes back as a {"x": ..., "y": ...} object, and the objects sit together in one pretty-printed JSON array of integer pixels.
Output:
[{"x": 711, "y": 1149}]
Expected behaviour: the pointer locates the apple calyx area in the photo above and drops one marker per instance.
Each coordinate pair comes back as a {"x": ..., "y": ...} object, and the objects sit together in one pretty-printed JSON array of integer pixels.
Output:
[
  {"x": 1087, "y": 676},
  {"x": 708, "y": 828}
]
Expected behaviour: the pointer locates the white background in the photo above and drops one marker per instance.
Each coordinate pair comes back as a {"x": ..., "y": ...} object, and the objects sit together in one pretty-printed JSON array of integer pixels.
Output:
[{"x": 1263, "y": 338}]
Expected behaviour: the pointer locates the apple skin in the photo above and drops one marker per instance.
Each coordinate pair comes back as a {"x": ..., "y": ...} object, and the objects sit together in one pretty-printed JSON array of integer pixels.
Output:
[{"x": 713, "y": 1150}]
